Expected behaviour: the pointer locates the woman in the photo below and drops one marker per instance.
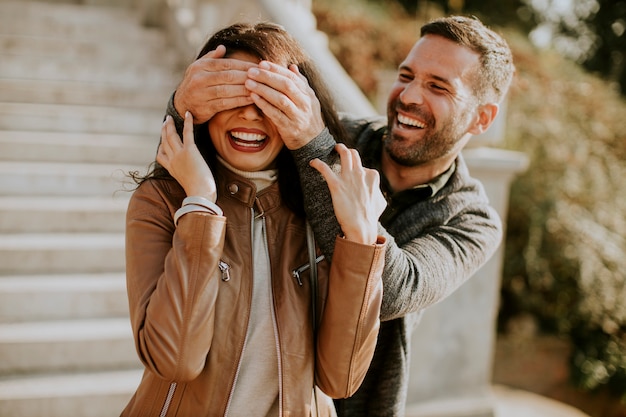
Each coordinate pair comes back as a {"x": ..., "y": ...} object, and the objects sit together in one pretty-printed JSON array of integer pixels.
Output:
[{"x": 225, "y": 316}]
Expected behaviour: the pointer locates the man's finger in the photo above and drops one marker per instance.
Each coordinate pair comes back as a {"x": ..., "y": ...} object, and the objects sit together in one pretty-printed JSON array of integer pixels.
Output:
[{"x": 218, "y": 52}]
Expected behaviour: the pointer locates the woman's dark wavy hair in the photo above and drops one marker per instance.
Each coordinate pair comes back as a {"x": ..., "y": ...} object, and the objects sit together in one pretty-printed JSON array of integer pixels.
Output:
[{"x": 270, "y": 42}]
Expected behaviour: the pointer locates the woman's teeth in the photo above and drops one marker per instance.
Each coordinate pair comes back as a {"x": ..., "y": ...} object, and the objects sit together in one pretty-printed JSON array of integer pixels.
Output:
[
  {"x": 410, "y": 122},
  {"x": 248, "y": 139}
]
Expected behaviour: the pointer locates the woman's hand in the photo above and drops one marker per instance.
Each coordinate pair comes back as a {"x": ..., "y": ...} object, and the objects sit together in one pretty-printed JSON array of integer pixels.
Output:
[
  {"x": 285, "y": 97},
  {"x": 357, "y": 199},
  {"x": 183, "y": 160}
]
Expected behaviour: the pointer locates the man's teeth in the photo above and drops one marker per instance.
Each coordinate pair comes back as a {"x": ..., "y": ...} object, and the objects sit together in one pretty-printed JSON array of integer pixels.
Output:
[
  {"x": 410, "y": 122},
  {"x": 248, "y": 137}
]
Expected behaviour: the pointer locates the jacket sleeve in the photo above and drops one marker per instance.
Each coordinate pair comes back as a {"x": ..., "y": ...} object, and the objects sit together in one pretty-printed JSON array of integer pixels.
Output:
[
  {"x": 349, "y": 324},
  {"x": 172, "y": 283}
]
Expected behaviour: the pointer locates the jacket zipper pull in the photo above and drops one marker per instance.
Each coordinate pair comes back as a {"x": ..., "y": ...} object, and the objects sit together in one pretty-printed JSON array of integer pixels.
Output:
[
  {"x": 225, "y": 268},
  {"x": 296, "y": 273}
]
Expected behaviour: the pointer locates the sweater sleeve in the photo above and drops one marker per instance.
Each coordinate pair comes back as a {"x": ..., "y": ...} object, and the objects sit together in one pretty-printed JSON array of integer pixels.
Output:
[
  {"x": 436, "y": 245},
  {"x": 317, "y": 199}
]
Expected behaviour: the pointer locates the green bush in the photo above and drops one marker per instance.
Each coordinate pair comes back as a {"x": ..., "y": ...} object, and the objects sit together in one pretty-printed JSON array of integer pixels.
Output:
[{"x": 565, "y": 257}]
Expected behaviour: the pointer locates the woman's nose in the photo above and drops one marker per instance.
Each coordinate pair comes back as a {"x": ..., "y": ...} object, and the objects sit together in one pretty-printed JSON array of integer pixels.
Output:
[{"x": 251, "y": 112}]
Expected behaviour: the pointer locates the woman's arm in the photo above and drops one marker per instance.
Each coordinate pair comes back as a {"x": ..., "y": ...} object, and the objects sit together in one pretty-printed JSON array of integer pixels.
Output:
[
  {"x": 349, "y": 325},
  {"x": 348, "y": 330},
  {"x": 172, "y": 282}
]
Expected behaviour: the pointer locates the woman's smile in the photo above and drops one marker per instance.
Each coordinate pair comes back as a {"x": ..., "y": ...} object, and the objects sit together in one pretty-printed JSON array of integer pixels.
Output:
[{"x": 248, "y": 140}]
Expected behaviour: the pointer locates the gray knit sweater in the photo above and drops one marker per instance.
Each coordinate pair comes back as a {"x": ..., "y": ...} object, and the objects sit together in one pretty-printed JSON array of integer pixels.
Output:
[{"x": 435, "y": 243}]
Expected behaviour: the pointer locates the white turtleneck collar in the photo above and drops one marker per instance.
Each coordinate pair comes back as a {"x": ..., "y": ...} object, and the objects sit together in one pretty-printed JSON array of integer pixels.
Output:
[{"x": 261, "y": 179}]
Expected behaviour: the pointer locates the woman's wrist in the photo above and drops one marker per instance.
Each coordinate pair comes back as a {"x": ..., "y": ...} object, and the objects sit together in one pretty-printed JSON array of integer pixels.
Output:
[{"x": 361, "y": 235}]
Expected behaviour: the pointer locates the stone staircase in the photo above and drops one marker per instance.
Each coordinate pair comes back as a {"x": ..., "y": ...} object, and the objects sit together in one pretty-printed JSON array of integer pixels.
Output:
[{"x": 83, "y": 90}]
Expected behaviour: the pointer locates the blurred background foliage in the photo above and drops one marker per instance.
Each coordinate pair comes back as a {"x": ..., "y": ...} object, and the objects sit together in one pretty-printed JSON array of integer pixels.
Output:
[{"x": 565, "y": 262}]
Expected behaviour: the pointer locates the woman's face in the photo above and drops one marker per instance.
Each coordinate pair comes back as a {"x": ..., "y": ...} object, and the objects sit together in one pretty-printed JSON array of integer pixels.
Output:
[{"x": 243, "y": 136}]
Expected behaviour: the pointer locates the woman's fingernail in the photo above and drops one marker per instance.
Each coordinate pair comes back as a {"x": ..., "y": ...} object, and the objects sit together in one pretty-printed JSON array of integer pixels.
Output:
[
  {"x": 253, "y": 72},
  {"x": 187, "y": 114}
]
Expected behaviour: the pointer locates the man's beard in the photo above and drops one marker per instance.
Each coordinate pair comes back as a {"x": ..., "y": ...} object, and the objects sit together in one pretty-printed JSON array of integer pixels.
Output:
[{"x": 433, "y": 145}]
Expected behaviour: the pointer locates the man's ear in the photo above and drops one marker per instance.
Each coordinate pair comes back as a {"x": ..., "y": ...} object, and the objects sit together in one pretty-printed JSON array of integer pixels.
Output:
[{"x": 485, "y": 116}]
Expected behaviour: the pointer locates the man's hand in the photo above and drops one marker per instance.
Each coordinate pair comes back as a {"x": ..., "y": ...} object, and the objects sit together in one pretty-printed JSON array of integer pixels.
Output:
[
  {"x": 285, "y": 97},
  {"x": 356, "y": 195},
  {"x": 212, "y": 84},
  {"x": 183, "y": 160}
]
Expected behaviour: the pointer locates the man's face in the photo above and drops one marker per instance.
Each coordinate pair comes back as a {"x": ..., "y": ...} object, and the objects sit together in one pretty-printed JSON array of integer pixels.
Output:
[{"x": 432, "y": 106}]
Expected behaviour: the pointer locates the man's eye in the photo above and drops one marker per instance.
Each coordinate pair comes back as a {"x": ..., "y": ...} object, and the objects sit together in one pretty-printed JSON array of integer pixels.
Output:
[{"x": 404, "y": 77}]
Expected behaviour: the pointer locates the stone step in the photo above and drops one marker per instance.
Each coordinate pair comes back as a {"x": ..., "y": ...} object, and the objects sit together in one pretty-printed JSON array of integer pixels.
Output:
[
  {"x": 85, "y": 93},
  {"x": 90, "y": 51},
  {"x": 96, "y": 394},
  {"x": 72, "y": 118},
  {"x": 81, "y": 214},
  {"x": 66, "y": 346},
  {"x": 73, "y": 21},
  {"x": 56, "y": 253},
  {"x": 62, "y": 297},
  {"x": 64, "y": 179},
  {"x": 77, "y": 147},
  {"x": 147, "y": 74}
]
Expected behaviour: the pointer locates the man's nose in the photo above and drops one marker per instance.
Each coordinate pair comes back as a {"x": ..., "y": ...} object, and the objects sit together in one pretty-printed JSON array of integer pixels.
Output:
[{"x": 412, "y": 94}]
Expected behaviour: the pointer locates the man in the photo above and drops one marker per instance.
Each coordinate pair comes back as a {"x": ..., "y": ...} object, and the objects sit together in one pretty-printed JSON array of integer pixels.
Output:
[{"x": 439, "y": 226}]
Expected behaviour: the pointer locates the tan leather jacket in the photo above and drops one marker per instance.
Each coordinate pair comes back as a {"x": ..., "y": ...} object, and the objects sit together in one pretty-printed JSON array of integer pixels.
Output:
[{"x": 189, "y": 291}]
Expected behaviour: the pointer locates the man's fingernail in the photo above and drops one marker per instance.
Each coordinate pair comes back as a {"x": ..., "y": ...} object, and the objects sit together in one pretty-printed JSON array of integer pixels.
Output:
[{"x": 253, "y": 72}]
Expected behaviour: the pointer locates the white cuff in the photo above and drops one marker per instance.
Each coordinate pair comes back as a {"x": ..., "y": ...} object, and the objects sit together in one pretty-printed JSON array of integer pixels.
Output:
[
  {"x": 204, "y": 202},
  {"x": 188, "y": 209}
]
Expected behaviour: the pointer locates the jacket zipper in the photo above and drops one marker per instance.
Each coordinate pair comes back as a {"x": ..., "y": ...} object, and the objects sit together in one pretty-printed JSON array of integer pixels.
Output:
[
  {"x": 168, "y": 399},
  {"x": 296, "y": 272},
  {"x": 275, "y": 325},
  {"x": 245, "y": 341}
]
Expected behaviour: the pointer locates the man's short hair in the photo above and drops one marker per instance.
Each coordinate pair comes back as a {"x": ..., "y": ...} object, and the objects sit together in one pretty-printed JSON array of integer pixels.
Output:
[{"x": 496, "y": 59}]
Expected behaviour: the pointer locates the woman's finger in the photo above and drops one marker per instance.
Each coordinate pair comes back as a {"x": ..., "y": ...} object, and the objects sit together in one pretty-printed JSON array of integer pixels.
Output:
[
  {"x": 188, "y": 136},
  {"x": 346, "y": 157}
]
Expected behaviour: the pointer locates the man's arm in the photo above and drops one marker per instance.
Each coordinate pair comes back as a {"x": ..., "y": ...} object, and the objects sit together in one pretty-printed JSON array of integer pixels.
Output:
[
  {"x": 428, "y": 259},
  {"x": 432, "y": 249}
]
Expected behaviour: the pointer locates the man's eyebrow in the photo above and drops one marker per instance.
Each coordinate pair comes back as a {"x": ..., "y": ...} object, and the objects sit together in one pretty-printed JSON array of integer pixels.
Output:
[
  {"x": 436, "y": 77},
  {"x": 441, "y": 79}
]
